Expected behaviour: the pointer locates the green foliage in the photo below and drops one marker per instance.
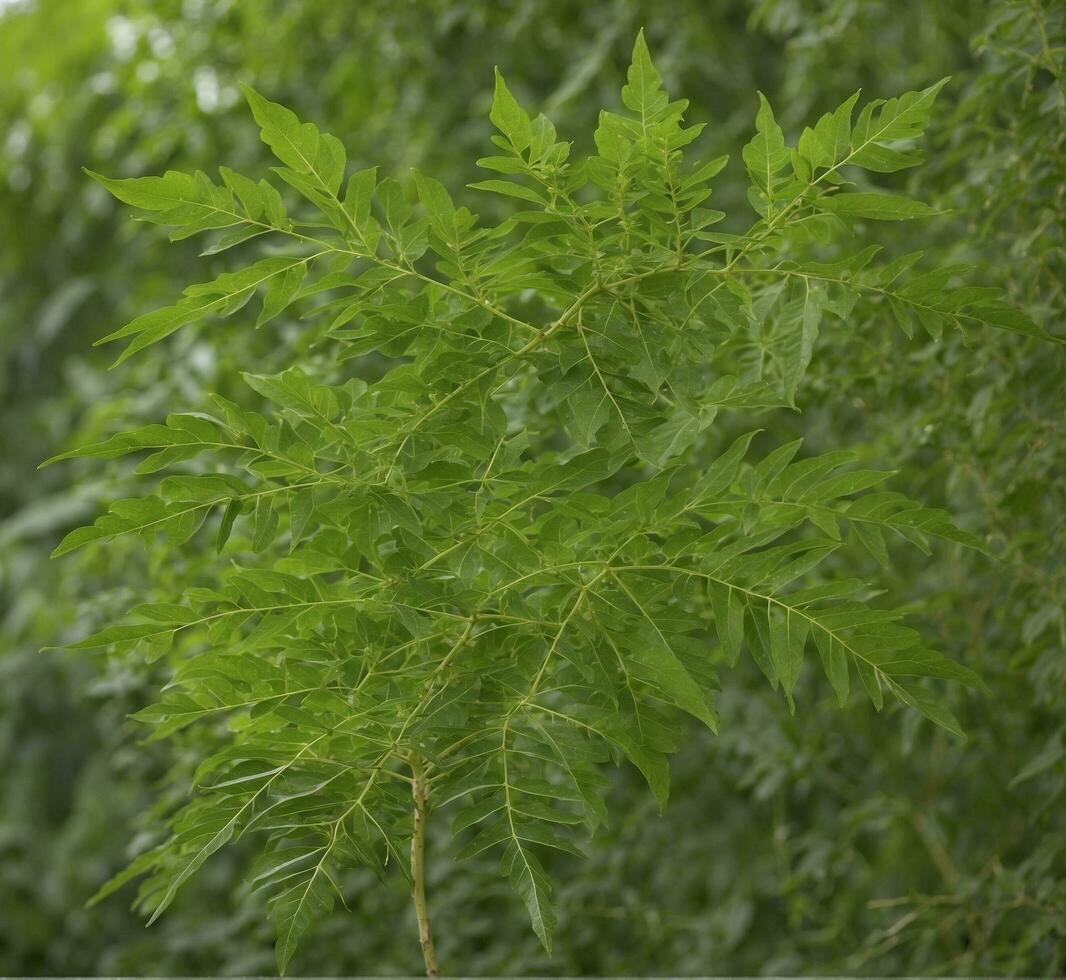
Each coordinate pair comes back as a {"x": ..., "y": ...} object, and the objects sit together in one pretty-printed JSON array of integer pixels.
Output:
[
  {"x": 517, "y": 549},
  {"x": 841, "y": 841}
]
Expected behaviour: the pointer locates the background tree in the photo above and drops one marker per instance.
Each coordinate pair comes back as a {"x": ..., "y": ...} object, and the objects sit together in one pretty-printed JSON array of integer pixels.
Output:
[{"x": 820, "y": 858}]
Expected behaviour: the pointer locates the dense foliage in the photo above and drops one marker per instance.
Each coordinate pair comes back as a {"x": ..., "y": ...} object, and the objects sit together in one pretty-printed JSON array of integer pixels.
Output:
[{"x": 487, "y": 519}]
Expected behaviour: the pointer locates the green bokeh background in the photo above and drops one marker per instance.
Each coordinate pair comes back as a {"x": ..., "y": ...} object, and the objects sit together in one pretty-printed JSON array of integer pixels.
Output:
[{"x": 828, "y": 842}]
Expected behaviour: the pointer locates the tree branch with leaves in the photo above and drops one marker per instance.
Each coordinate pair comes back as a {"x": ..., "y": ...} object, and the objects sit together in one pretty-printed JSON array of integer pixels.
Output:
[{"x": 488, "y": 537}]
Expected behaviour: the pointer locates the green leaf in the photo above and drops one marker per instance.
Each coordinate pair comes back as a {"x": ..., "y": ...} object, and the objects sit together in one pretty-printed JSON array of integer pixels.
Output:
[
  {"x": 358, "y": 196},
  {"x": 834, "y": 663},
  {"x": 527, "y": 877},
  {"x": 643, "y": 94},
  {"x": 766, "y": 155},
  {"x": 443, "y": 217},
  {"x": 881, "y": 123},
  {"x": 281, "y": 291},
  {"x": 508, "y": 189},
  {"x": 265, "y": 524},
  {"x": 298, "y": 145},
  {"x": 869, "y": 204},
  {"x": 830, "y": 139},
  {"x": 225, "y": 526},
  {"x": 509, "y": 117},
  {"x": 301, "y": 902},
  {"x": 788, "y": 636},
  {"x": 224, "y": 296},
  {"x": 657, "y": 665},
  {"x": 729, "y": 610}
]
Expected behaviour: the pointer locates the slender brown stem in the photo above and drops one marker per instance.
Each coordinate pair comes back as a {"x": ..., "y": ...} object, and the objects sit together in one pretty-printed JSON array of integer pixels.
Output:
[{"x": 420, "y": 793}]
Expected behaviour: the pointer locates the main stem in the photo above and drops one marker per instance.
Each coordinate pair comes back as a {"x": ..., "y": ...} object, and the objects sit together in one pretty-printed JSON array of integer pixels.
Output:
[{"x": 420, "y": 792}]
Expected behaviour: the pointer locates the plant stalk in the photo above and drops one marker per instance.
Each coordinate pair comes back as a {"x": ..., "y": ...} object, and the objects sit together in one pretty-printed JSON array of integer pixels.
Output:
[{"x": 420, "y": 793}]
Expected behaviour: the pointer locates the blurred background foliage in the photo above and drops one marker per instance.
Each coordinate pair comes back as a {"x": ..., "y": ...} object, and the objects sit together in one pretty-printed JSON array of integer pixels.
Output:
[{"x": 829, "y": 842}]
